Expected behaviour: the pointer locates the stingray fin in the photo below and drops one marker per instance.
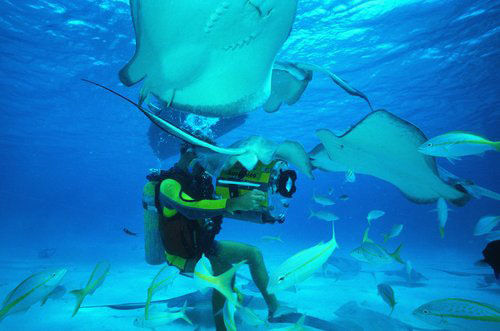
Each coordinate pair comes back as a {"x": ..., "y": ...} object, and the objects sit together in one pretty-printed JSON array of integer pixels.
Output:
[
  {"x": 288, "y": 83},
  {"x": 328, "y": 140},
  {"x": 248, "y": 160},
  {"x": 294, "y": 153},
  {"x": 133, "y": 71}
]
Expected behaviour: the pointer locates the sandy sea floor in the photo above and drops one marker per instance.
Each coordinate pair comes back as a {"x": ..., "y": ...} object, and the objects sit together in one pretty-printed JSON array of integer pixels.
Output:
[{"x": 320, "y": 296}]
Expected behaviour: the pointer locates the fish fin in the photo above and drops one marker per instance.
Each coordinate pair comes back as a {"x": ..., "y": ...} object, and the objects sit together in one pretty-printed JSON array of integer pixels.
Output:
[
  {"x": 311, "y": 214},
  {"x": 301, "y": 321},
  {"x": 450, "y": 160},
  {"x": 365, "y": 236},
  {"x": 395, "y": 255},
  {"x": 223, "y": 283},
  {"x": 80, "y": 295},
  {"x": 44, "y": 300},
  {"x": 386, "y": 237},
  {"x": 183, "y": 313}
]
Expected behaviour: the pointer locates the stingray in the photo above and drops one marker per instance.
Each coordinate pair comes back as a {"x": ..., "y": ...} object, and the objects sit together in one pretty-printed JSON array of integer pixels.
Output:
[
  {"x": 212, "y": 58},
  {"x": 385, "y": 146},
  {"x": 290, "y": 80},
  {"x": 259, "y": 149}
]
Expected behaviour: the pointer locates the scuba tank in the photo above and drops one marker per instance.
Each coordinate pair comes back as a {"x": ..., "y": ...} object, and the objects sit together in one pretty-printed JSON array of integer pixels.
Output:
[
  {"x": 274, "y": 179},
  {"x": 153, "y": 245}
]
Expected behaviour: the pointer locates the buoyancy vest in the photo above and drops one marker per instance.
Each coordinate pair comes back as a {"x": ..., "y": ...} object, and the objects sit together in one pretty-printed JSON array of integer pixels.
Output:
[{"x": 182, "y": 237}]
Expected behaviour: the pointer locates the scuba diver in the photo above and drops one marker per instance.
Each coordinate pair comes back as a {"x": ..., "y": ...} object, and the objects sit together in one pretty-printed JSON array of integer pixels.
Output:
[{"x": 191, "y": 217}]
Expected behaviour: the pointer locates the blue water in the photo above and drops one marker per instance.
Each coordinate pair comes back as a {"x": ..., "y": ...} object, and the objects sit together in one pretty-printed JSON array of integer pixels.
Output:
[{"x": 73, "y": 158}]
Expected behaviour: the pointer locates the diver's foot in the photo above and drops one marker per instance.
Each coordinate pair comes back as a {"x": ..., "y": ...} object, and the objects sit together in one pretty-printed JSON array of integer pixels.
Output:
[{"x": 280, "y": 310}]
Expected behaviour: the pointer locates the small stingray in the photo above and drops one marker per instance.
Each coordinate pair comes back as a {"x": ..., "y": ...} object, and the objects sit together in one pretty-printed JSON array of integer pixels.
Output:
[
  {"x": 290, "y": 80},
  {"x": 212, "y": 58},
  {"x": 384, "y": 146},
  {"x": 46, "y": 253}
]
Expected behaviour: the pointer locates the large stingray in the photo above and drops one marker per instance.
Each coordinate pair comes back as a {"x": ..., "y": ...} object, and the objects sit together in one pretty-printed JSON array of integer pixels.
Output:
[
  {"x": 384, "y": 146},
  {"x": 212, "y": 58}
]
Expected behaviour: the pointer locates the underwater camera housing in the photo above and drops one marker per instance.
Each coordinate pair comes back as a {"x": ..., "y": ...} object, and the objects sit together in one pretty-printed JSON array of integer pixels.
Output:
[{"x": 274, "y": 179}]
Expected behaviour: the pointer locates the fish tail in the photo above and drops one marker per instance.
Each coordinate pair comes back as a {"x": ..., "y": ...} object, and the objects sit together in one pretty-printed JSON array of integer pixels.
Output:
[
  {"x": 334, "y": 240},
  {"x": 365, "y": 235},
  {"x": 496, "y": 145},
  {"x": 183, "y": 313},
  {"x": 80, "y": 295},
  {"x": 441, "y": 231},
  {"x": 396, "y": 255},
  {"x": 223, "y": 283},
  {"x": 3, "y": 313},
  {"x": 311, "y": 214}
]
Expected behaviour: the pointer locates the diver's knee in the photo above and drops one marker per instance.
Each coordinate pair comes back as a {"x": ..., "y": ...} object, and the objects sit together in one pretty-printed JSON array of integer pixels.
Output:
[{"x": 255, "y": 256}]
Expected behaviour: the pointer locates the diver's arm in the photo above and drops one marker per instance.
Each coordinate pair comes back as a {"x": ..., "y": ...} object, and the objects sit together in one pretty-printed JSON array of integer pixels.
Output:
[
  {"x": 171, "y": 195},
  {"x": 249, "y": 201}
]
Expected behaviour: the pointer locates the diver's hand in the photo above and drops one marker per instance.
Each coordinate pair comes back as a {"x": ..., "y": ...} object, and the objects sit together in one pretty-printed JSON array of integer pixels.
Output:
[{"x": 249, "y": 201}]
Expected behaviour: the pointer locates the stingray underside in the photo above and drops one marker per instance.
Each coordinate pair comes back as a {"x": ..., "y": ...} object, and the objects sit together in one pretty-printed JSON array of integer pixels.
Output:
[
  {"x": 385, "y": 146},
  {"x": 213, "y": 58}
]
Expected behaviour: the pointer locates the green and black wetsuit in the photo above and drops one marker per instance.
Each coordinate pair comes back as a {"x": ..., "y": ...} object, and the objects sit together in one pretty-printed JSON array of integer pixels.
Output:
[{"x": 186, "y": 203}]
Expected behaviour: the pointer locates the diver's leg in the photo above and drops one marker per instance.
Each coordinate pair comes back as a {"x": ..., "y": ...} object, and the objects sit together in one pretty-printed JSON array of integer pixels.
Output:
[{"x": 233, "y": 252}]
